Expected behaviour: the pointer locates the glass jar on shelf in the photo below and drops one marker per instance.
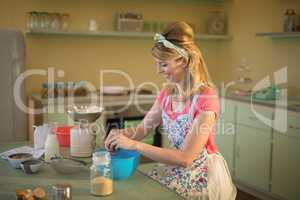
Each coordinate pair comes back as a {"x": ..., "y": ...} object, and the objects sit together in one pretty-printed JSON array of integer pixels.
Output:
[
  {"x": 65, "y": 21},
  {"x": 101, "y": 174},
  {"x": 29, "y": 20},
  {"x": 47, "y": 20},
  {"x": 56, "y": 21},
  {"x": 32, "y": 20},
  {"x": 289, "y": 21},
  {"x": 43, "y": 20}
]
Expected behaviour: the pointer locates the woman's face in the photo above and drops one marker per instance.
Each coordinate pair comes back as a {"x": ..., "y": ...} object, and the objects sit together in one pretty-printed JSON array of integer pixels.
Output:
[{"x": 172, "y": 70}]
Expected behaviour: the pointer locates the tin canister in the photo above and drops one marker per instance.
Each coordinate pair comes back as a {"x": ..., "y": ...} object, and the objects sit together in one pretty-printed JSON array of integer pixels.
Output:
[{"x": 62, "y": 192}]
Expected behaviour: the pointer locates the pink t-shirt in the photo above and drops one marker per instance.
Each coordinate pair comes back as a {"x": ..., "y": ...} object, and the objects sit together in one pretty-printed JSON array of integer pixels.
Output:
[{"x": 207, "y": 101}]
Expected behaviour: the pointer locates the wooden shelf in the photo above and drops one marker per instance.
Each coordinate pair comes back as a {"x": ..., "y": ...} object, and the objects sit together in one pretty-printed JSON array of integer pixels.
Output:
[
  {"x": 118, "y": 34},
  {"x": 212, "y": 37},
  {"x": 201, "y": 1},
  {"x": 280, "y": 34}
]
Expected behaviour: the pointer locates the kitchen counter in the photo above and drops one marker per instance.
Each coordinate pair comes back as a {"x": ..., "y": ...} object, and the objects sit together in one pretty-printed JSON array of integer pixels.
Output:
[
  {"x": 293, "y": 104},
  {"x": 115, "y": 106},
  {"x": 138, "y": 186}
]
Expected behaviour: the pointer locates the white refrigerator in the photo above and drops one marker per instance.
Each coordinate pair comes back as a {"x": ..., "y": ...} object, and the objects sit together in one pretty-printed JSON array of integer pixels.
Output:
[{"x": 13, "y": 122}]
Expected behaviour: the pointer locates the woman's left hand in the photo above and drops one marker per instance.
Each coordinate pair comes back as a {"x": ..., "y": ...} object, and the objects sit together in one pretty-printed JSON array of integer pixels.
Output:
[{"x": 121, "y": 141}]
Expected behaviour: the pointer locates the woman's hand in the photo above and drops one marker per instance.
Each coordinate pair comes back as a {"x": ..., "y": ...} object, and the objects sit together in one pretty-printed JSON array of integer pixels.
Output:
[
  {"x": 108, "y": 140},
  {"x": 119, "y": 140}
]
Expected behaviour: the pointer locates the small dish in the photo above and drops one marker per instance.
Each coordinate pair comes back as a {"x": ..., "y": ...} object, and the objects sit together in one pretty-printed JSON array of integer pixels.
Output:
[
  {"x": 16, "y": 159},
  {"x": 31, "y": 166}
]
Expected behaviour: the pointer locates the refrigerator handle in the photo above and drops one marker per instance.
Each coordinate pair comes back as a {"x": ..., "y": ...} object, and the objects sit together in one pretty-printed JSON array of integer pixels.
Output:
[{"x": 16, "y": 65}]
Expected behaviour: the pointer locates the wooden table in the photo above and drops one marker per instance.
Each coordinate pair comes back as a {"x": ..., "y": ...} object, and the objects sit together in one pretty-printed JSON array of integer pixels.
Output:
[{"x": 138, "y": 186}]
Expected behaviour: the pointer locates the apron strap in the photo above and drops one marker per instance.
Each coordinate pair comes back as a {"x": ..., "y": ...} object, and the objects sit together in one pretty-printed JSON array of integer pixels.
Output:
[{"x": 193, "y": 105}]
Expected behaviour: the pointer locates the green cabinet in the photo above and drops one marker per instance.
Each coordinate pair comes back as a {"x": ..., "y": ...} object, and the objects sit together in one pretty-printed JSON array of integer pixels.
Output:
[
  {"x": 260, "y": 157},
  {"x": 253, "y": 146},
  {"x": 253, "y": 153},
  {"x": 286, "y": 160}
]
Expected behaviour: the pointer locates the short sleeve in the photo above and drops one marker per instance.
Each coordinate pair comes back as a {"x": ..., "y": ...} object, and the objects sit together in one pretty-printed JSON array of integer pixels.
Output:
[
  {"x": 208, "y": 100},
  {"x": 161, "y": 98}
]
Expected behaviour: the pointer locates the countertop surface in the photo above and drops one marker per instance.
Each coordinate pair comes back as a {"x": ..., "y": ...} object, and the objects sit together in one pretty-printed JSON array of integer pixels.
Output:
[
  {"x": 291, "y": 103},
  {"x": 104, "y": 100},
  {"x": 138, "y": 186}
]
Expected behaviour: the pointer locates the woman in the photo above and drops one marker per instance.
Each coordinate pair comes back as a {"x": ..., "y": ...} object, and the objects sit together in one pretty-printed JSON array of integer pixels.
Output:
[{"x": 188, "y": 108}]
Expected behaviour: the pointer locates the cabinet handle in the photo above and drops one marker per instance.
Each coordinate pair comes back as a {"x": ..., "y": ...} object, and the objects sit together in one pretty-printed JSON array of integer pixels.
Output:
[
  {"x": 294, "y": 127},
  {"x": 237, "y": 151}
]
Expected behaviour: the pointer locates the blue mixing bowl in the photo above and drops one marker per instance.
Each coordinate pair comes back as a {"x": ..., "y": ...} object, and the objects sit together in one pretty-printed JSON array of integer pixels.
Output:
[{"x": 124, "y": 163}]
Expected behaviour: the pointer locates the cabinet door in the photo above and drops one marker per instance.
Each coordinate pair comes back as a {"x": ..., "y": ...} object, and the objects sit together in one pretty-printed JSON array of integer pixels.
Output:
[
  {"x": 225, "y": 144},
  {"x": 286, "y": 160},
  {"x": 225, "y": 133},
  {"x": 253, "y": 152}
]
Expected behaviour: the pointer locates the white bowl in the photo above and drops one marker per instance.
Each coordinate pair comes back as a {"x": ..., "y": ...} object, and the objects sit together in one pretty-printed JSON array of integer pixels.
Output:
[
  {"x": 91, "y": 113},
  {"x": 114, "y": 90},
  {"x": 16, "y": 159}
]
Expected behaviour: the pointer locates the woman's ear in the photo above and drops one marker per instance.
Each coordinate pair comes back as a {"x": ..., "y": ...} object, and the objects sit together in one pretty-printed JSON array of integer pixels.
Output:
[{"x": 182, "y": 62}]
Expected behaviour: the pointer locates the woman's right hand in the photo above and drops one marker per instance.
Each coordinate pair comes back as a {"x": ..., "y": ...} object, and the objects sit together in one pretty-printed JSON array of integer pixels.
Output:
[{"x": 108, "y": 140}]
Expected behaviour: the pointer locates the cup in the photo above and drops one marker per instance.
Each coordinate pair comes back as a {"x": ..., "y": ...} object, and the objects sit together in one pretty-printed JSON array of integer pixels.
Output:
[{"x": 93, "y": 25}]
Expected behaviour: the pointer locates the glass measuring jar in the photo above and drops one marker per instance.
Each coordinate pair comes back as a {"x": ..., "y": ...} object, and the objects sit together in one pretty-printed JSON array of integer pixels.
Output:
[{"x": 101, "y": 181}]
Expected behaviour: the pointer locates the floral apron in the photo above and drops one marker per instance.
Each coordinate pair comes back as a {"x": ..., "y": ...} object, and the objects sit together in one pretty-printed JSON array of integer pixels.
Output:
[{"x": 188, "y": 182}]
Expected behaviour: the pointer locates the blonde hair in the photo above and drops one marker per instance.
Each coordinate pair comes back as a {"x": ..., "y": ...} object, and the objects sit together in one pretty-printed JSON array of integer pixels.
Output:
[{"x": 182, "y": 35}]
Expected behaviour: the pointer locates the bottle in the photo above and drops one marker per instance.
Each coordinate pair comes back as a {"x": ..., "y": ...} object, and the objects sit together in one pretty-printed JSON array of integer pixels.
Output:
[
  {"x": 51, "y": 144},
  {"x": 101, "y": 182},
  {"x": 293, "y": 20}
]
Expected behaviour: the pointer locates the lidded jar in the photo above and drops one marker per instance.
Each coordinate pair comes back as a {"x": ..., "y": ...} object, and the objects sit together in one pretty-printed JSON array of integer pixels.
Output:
[
  {"x": 65, "y": 21},
  {"x": 101, "y": 181},
  {"x": 81, "y": 139},
  {"x": 32, "y": 20}
]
